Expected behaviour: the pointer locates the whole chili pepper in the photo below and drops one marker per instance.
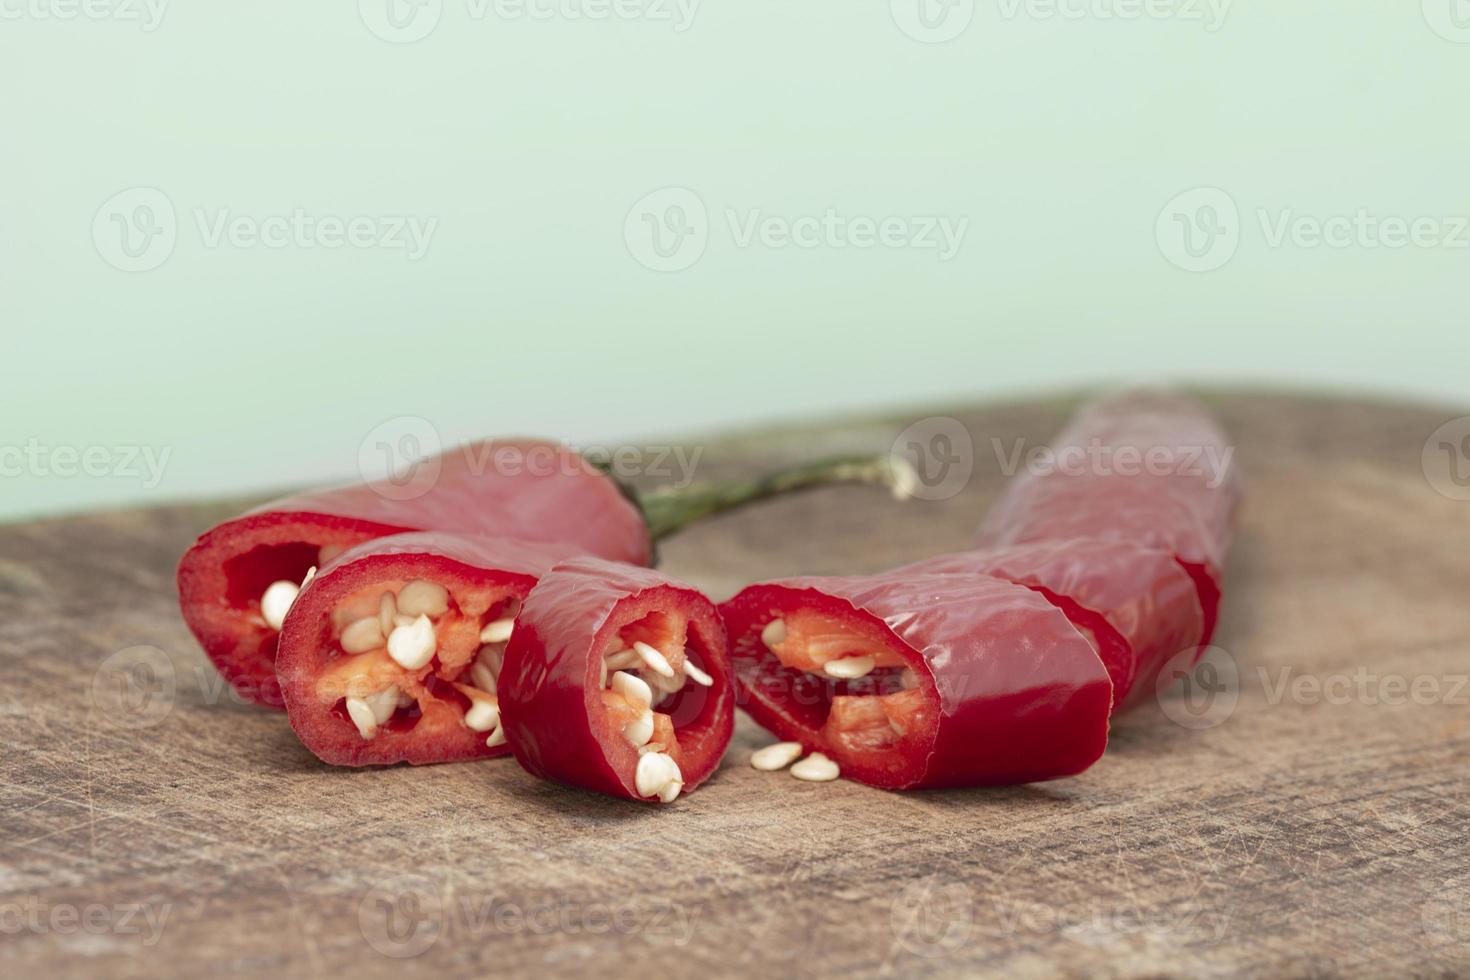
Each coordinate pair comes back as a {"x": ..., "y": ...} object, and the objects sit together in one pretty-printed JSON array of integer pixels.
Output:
[
  {"x": 1137, "y": 605},
  {"x": 617, "y": 680},
  {"x": 392, "y": 652},
  {"x": 238, "y": 580},
  {"x": 912, "y": 680},
  {"x": 1143, "y": 467}
]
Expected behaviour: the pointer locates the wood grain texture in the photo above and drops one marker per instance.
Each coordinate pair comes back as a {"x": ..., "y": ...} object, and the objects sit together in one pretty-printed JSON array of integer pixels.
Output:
[{"x": 181, "y": 833}]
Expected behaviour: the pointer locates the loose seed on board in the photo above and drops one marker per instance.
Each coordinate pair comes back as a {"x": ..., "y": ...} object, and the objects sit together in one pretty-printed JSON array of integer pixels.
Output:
[
  {"x": 775, "y": 632},
  {"x": 816, "y": 768},
  {"x": 696, "y": 675},
  {"x": 655, "y": 660},
  {"x": 849, "y": 668},
  {"x": 421, "y": 598},
  {"x": 776, "y": 757},
  {"x": 497, "y": 631},
  {"x": 413, "y": 645},
  {"x": 362, "y": 635}
]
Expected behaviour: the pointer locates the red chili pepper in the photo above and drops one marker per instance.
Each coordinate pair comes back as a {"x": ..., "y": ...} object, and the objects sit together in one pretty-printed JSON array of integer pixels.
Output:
[
  {"x": 237, "y": 581},
  {"x": 391, "y": 653},
  {"x": 617, "y": 680},
  {"x": 912, "y": 681},
  {"x": 1136, "y": 605},
  {"x": 1146, "y": 468}
]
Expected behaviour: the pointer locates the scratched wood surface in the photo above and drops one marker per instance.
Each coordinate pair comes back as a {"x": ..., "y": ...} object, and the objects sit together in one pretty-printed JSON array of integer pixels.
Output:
[{"x": 1245, "y": 825}]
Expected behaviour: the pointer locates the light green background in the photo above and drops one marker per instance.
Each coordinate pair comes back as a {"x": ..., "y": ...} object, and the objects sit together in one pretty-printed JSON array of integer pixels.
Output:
[{"x": 1060, "y": 138}]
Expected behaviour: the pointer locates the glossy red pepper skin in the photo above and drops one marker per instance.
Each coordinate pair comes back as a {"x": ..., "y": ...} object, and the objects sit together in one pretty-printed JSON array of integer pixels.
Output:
[
  {"x": 1017, "y": 693},
  {"x": 1138, "y": 603},
  {"x": 477, "y": 571},
  {"x": 1185, "y": 505},
  {"x": 550, "y": 690},
  {"x": 528, "y": 489}
]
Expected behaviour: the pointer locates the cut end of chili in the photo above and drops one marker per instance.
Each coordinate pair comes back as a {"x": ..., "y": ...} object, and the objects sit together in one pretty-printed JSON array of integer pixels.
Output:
[{"x": 617, "y": 680}]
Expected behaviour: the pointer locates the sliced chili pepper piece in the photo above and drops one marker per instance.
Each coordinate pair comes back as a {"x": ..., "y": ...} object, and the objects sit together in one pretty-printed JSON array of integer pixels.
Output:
[
  {"x": 1144, "y": 467},
  {"x": 617, "y": 680},
  {"x": 239, "y": 579},
  {"x": 1137, "y": 605},
  {"x": 392, "y": 653},
  {"x": 959, "y": 679}
]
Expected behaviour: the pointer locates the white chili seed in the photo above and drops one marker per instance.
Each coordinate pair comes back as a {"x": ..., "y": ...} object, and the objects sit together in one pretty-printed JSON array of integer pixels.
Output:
[
  {"x": 640, "y": 730},
  {"x": 655, "y": 660},
  {"x": 497, "y": 631},
  {"x": 387, "y": 612},
  {"x": 774, "y": 758},
  {"x": 696, "y": 675},
  {"x": 816, "y": 768},
  {"x": 276, "y": 602},
  {"x": 310, "y": 574},
  {"x": 671, "y": 791},
  {"x": 482, "y": 678},
  {"x": 421, "y": 598},
  {"x": 384, "y": 703},
  {"x": 623, "y": 659},
  {"x": 362, "y": 716},
  {"x": 412, "y": 646},
  {"x": 775, "y": 632},
  {"x": 849, "y": 668},
  {"x": 908, "y": 680},
  {"x": 483, "y": 715},
  {"x": 655, "y": 772},
  {"x": 497, "y": 737},
  {"x": 632, "y": 687},
  {"x": 362, "y": 635}
]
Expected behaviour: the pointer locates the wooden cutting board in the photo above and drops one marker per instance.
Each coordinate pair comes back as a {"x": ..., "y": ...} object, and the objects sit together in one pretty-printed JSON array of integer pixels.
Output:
[{"x": 1308, "y": 815}]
